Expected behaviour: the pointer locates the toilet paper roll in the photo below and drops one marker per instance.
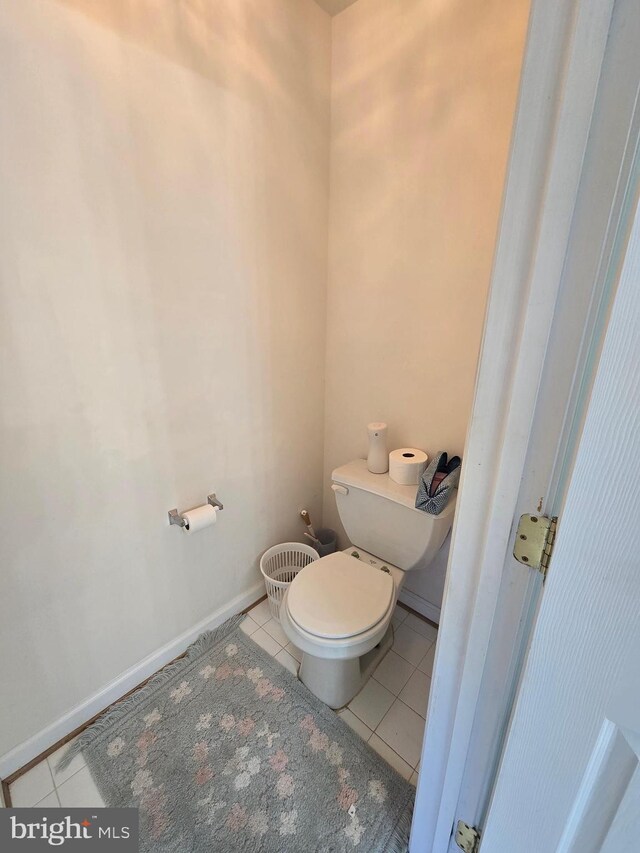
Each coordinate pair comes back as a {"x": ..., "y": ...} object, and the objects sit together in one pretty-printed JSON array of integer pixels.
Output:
[
  {"x": 406, "y": 465},
  {"x": 201, "y": 516}
]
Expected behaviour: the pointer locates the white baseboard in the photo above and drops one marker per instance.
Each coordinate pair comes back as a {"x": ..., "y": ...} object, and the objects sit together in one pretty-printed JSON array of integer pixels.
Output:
[
  {"x": 420, "y": 605},
  {"x": 76, "y": 717}
]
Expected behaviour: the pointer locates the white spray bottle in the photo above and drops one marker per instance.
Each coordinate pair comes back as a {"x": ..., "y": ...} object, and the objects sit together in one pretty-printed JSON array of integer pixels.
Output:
[{"x": 378, "y": 458}]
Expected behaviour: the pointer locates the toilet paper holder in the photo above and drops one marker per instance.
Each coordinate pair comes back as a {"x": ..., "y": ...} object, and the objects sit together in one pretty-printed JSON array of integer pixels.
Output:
[{"x": 176, "y": 518}]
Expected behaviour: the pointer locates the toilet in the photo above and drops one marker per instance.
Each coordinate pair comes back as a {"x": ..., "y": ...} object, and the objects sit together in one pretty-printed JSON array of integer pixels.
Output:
[{"x": 338, "y": 609}]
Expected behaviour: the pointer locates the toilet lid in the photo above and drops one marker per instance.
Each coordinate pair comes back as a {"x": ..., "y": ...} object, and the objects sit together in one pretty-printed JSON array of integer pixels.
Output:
[{"x": 339, "y": 596}]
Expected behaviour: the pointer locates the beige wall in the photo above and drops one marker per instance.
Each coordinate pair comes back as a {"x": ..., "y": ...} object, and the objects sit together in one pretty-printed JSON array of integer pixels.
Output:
[
  {"x": 164, "y": 171},
  {"x": 163, "y": 272},
  {"x": 423, "y": 97}
]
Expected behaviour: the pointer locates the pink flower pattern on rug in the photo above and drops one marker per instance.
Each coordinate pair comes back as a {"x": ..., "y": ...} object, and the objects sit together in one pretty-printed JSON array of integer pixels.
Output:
[
  {"x": 237, "y": 818},
  {"x": 246, "y": 726},
  {"x": 279, "y": 761},
  {"x": 153, "y": 802},
  {"x": 260, "y": 790},
  {"x": 203, "y": 775}
]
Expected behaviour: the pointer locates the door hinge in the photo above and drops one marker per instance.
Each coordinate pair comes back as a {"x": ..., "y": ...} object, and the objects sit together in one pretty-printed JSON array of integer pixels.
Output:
[
  {"x": 467, "y": 837},
  {"x": 535, "y": 538}
]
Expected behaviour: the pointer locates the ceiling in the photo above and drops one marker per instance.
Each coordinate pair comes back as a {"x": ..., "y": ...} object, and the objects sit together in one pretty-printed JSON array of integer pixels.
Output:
[{"x": 334, "y": 6}]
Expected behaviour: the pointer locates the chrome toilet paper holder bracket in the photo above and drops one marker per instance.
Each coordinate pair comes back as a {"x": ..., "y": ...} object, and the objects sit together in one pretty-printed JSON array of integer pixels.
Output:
[{"x": 176, "y": 518}]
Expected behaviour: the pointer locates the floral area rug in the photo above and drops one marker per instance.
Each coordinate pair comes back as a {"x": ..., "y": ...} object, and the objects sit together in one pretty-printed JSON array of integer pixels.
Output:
[{"x": 225, "y": 750}]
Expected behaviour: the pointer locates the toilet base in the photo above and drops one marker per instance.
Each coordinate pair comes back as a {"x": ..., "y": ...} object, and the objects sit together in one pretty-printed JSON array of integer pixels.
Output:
[{"x": 336, "y": 682}]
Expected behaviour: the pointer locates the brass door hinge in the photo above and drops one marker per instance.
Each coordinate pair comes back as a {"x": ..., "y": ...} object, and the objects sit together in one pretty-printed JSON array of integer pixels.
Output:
[
  {"x": 535, "y": 538},
  {"x": 467, "y": 837}
]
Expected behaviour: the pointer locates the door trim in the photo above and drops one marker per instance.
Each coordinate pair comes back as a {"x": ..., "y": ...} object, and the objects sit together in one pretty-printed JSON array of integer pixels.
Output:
[{"x": 566, "y": 44}]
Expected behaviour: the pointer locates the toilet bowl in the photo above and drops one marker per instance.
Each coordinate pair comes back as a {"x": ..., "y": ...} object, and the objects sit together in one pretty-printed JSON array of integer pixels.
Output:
[
  {"x": 338, "y": 609},
  {"x": 339, "y": 616}
]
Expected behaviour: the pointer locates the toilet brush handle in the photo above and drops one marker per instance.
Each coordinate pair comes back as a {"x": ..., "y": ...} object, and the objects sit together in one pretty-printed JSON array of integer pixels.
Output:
[{"x": 304, "y": 515}]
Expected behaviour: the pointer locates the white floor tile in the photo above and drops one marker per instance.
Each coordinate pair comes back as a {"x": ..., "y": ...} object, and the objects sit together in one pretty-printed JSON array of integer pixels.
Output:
[
  {"x": 248, "y": 625},
  {"x": 32, "y": 786},
  {"x": 415, "y": 693},
  {"x": 402, "y": 729},
  {"x": 393, "y": 672},
  {"x": 80, "y": 791},
  {"x": 355, "y": 723},
  {"x": 287, "y": 661},
  {"x": 261, "y": 612},
  {"x": 60, "y": 776},
  {"x": 414, "y": 778},
  {"x": 372, "y": 703},
  {"x": 399, "y": 615},
  {"x": 426, "y": 664},
  {"x": 274, "y": 628},
  {"x": 51, "y": 801},
  {"x": 266, "y": 641},
  {"x": 384, "y": 750},
  {"x": 426, "y": 629},
  {"x": 294, "y": 651},
  {"x": 410, "y": 645}
]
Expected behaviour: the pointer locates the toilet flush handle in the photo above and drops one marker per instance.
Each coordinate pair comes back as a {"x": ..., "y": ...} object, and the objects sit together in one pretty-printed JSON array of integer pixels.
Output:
[{"x": 341, "y": 490}]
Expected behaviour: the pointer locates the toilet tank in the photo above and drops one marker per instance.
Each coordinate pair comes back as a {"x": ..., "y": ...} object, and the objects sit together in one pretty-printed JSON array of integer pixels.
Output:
[{"x": 379, "y": 516}]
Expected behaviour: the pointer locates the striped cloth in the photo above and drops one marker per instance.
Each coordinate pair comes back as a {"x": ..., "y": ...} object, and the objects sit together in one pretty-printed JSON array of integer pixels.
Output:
[{"x": 436, "y": 502}]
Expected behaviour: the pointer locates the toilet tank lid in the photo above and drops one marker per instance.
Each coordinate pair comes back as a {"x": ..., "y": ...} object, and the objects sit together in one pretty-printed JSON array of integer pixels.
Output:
[{"x": 357, "y": 475}]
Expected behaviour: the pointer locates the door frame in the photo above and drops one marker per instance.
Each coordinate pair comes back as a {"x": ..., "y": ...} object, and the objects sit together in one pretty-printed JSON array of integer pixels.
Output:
[
  {"x": 573, "y": 763},
  {"x": 565, "y": 49}
]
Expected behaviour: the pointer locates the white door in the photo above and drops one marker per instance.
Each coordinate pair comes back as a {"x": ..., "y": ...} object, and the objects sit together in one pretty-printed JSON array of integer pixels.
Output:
[
  {"x": 565, "y": 213},
  {"x": 569, "y": 777}
]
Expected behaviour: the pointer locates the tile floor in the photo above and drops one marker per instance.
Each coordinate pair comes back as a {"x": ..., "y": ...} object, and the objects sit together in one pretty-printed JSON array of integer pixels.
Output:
[{"x": 389, "y": 712}]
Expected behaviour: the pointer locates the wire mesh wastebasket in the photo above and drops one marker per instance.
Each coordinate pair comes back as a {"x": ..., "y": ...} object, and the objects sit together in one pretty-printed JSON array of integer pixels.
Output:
[{"x": 279, "y": 566}]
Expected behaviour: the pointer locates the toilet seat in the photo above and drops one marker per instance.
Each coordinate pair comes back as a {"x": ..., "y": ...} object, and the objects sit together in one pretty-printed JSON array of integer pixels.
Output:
[{"x": 339, "y": 597}]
